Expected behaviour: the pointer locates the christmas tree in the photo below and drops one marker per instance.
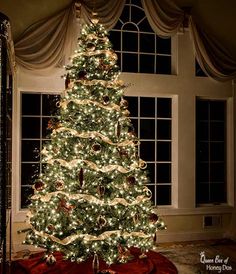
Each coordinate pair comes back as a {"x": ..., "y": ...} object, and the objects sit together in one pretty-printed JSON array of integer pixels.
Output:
[{"x": 92, "y": 196}]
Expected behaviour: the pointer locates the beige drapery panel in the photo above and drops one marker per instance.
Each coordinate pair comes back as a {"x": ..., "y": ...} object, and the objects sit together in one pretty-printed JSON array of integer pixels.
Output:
[
  {"x": 48, "y": 43},
  {"x": 164, "y": 17},
  {"x": 214, "y": 60}
]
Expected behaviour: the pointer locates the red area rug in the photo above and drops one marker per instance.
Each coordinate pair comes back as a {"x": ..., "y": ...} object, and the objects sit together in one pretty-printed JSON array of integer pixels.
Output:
[{"x": 154, "y": 263}]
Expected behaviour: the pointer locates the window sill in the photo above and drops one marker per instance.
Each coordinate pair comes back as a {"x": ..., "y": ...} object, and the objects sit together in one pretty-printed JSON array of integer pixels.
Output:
[{"x": 211, "y": 209}]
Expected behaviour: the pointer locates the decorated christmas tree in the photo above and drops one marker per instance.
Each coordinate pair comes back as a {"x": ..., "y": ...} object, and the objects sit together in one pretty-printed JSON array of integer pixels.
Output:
[{"x": 92, "y": 197}]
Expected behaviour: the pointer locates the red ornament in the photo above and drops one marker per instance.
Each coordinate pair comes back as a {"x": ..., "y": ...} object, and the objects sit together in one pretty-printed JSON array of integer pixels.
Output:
[
  {"x": 39, "y": 185},
  {"x": 81, "y": 177},
  {"x": 136, "y": 218},
  {"x": 51, "y": 227},
  {"x": 91, "y": 46},
  {"x": 118, "y": 129},
  {"x": 131, "y": 180},
  {"x": 153, "y": 217},
  {"x": 82, "y": 75},
  {"x": 96, "y": 148},
  {"x": 101, "y": 190},
  {"x": 65, "y": 206},
  {"x": 67, "y": 81},
  {"x": 105, "y": 99},
  {"x": 101, "y": 221},
  {"x": 122, "y": 152},
  {"x": 124, "y": 103},
  {"x": 59, "y": 185}
]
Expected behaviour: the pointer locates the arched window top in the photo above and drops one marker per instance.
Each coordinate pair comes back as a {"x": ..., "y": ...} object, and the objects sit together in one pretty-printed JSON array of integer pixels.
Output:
[
  {"x": 130, "y": 27},
  {"x": 133, "y": 12},
  {"x": 138, "y": 48}
]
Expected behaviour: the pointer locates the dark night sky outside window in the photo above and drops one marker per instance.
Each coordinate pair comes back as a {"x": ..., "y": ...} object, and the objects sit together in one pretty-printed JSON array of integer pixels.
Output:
[
  {"x": 211, "y": 151},
  {"x": 152, "y": 120},
  {"x": 36, "y": 111},
  {"x": 139, "y": 49}
]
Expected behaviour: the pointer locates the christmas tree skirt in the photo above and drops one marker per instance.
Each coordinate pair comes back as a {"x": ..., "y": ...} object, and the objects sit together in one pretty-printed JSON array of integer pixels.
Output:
[{"x": 153, "y": 263}]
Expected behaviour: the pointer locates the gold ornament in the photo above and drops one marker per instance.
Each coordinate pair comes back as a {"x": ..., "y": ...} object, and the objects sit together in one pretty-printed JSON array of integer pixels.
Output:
[
  {"x": 96, "y": 148},
  {"x": 101, "y": 221},
  {"x": 59, "y": 185},
  {"x": 142, "y": 164},
  {"x": 50, "y": 259}
]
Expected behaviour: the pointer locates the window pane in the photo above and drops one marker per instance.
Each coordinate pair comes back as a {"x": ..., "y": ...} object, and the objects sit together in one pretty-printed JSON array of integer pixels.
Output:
[
  {"x": 217, "y": 151},
  {"x": 147, "y": 107},
  {"x": 217, "y": 192},
  {"x": 163, "y": 45},
  {"x": 163, "y": 151},
  {"x": 144, "y": 26},
  {"x": 163, "y": 195},
  {"x": 163, "y": 64},
  {"x": 163, "y": 173},
  {"x": 217, "y": 172},
  {"x": 203, "y": 172},
  {"x": 46, "y": 130},
  {"x": 164, "y": 107},
  {"x": 147, "y": 42},
  {"x": 153, "y": 190},
  {"x": 146, "y": 63},
  {"x": 49, "y": 104},
  {"x": 134, "y": 123},
  {"x": 125, "y": 14},
  {"x": 163, "y": 129},
  {"x": 137, "y": 14},
  {"x": 29, "y": 172},
  {"x": 198, "y": 70},
  {"x": 30, "y": 151},
  {"x": 203, "y": 151},
  {"x": 31, "y": 104},
  {"x": 217, "y": 110},
  {"x": 210, "y": 155},
  {"x": 30, "y": 127},
  {"x": 147, "y": 129},
  {"x": 203, "y": 194},
  {"x": 133, "y": 105},
  {"x": 217, "y": 131},
  {"x": 130, "y": 62},
  {"x": 147, "y": 151},
  {"x": 151, "y": 172},
  {"x": 119, "y": 60},
  {"x": 203, "y": 131},
  {"x": 130, "y": 41},
  {"x": 118, "y": 25},
  {"x": 26, "y": 192},
  {"x": 115, "y": 39}
]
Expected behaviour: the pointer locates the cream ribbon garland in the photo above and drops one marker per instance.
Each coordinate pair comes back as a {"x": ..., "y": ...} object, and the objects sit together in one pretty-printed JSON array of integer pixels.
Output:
[
  {"x": 104, "y": 169},
  {"x": 88, "y": 238},
  {"x": 104, "y": 83},
  {"x": 93, "y": 134},
  {"x": 112, "y": 106},
  {"x": 96, "y": 52},
  {"x": 92, "y": 199}
]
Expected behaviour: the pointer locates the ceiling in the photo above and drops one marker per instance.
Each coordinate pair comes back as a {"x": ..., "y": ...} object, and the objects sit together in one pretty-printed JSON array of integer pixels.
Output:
[{"x": 216, "y": 17}]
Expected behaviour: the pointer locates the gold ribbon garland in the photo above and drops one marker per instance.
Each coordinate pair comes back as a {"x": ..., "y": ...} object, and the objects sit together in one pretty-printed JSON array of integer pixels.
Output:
[
  {"x": 85, "y": 102},
  {"x": 88, "y": 238},
  {"x": 104, "y": 83},
  {"x": 91, "y": 198},
  {"x": 93, "y": 134}
]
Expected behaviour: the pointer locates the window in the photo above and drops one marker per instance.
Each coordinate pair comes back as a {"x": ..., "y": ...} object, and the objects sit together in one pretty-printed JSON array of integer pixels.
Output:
[
  {"x": 198, "y": 70},
  {"x": 138, "y": 48},
  {"x": 152, "y": 120},
  {"x": 211, "y": 151},
  {"x": 36, "y": 113}
]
